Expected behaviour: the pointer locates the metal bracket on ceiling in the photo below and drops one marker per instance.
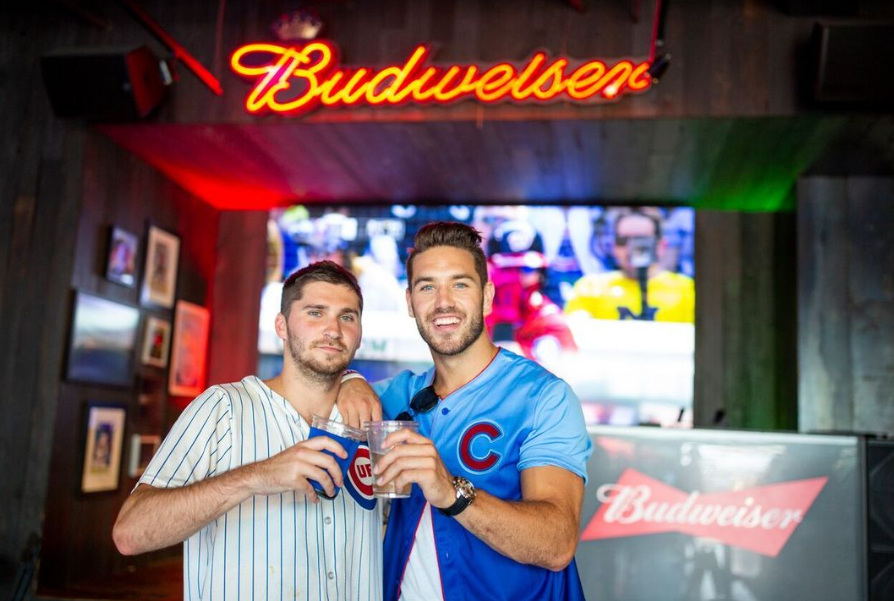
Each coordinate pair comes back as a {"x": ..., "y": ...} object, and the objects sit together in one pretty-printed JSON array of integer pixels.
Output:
[
  {"x": 659, "y": 58},
  {"x": 180, "y": 53}
]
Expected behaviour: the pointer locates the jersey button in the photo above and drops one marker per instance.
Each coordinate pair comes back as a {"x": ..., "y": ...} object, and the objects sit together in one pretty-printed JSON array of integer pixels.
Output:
[
  {"x": 331, "y": 575},
  {"x": 327, "y": 521}
]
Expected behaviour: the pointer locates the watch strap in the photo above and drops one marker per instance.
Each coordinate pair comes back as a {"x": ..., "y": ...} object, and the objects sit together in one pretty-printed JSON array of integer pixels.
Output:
[{"x": 461, "y": 502}]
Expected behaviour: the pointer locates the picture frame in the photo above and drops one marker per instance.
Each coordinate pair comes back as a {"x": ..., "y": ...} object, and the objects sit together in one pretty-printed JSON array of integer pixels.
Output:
[
  {"x": 160, "y": 272},
  {"x": 142, "y": 449},
  {"x": 156, "y": 342},
  {"x": 151, "y": 396},
  {"x": 186, "y": 376},
  {"x": 104, "y": 439},
  {"x": 103, "y": 341},
  {"x": 121, "y": 261}
]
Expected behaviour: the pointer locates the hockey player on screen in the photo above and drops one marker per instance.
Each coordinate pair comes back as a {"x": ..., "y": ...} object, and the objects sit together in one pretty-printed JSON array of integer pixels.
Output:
[{"x": 521, "y": 310}]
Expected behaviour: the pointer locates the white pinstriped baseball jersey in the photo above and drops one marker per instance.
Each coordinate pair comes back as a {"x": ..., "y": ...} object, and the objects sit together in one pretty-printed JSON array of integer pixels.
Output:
[{"x": 276, "y": 546}]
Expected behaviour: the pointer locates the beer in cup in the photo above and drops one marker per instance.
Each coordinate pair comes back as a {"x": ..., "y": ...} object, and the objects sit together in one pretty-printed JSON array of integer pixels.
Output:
[{"x": 376, "y": 433}]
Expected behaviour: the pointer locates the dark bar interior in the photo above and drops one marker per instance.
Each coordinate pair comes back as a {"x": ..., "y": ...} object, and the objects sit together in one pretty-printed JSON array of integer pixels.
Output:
[{"x": 166, "y": 165}]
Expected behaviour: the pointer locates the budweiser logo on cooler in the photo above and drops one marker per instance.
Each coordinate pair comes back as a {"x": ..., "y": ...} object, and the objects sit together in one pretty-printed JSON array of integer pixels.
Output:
[{"x": 760, "y": 519}]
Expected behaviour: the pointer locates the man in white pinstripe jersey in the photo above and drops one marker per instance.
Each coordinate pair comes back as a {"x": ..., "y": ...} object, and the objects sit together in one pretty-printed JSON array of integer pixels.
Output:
[{"x": 230, "y": 480}]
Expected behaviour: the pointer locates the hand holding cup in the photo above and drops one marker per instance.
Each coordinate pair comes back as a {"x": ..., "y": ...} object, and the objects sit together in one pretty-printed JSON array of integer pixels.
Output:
[
  {"x": 378, "y": 434},
  {"x": 347, "y": 437},
  {"x": 414, "y": 459}
]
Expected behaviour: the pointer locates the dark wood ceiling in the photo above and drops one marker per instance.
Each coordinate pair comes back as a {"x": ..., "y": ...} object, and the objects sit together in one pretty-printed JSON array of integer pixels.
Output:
[{"x": 735, "y": 163}]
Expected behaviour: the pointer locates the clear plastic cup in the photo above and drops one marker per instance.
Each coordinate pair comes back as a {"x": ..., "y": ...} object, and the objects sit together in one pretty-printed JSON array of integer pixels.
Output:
[
  {"x": 376, "y": 433},
  {"x": 348, "y": 437}
]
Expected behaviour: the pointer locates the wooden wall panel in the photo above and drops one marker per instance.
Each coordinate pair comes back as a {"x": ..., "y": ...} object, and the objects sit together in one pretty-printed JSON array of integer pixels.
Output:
[
  {"x": 117, "y": 189},
  {"x": 824, "y": 358},
  {"x": 35, "y": 311},
  {"x": 745, "y": 320},
  {"x": 871, "y": 285},
  {"x": 39, "y": 175},
  {"x": 729, "y": 58},
  {"x": 783, "y": 339},
  {"x": 846, "y": 283},
  {"x": 223, "y": 272},
  {"x": 711, "y": 236},
  {"x": 236, "y": 303},
  {"x": 748, "y": 164}
]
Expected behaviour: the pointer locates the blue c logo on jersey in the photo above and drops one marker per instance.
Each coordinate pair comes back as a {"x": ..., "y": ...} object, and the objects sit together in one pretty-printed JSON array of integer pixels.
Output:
[{"x": 477, "y": 460}]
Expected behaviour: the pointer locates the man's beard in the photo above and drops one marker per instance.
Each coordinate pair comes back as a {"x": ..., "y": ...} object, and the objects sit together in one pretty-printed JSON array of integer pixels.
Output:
[
  {"x": 459, "y": 341},
  {"x": 310, "y": 365}
]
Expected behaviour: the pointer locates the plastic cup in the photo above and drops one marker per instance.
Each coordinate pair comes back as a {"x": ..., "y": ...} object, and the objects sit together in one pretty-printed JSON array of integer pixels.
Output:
[
  {"x": 348, "y": 437},
  {"x": 376, "y": 433}
]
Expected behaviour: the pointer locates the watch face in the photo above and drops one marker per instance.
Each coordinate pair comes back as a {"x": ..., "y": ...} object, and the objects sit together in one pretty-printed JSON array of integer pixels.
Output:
[
  {"x": 465, "y": 488},
  {"x": 465, "y": 494}
]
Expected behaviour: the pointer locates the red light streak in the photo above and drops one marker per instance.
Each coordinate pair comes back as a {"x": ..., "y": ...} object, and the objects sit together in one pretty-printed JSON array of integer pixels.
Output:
[{"x": 297, "y": 79}]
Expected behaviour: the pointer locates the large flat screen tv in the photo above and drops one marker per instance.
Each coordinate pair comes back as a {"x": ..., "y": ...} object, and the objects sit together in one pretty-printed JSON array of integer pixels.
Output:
[{"x": 602, "y": 296}]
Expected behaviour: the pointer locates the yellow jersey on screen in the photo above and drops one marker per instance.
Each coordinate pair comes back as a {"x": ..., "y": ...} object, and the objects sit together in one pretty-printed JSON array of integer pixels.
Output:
[{"x": 614, "y": 296}]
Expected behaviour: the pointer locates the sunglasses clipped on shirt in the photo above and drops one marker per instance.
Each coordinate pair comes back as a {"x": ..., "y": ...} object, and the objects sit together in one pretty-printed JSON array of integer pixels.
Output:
[{"x": 423, "y": 401}]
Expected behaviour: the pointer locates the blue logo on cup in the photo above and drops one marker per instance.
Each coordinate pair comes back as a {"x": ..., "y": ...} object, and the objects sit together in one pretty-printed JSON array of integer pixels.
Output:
[
  {"x": 350, "y": 447},
  {"x": 359, "y": 478}
]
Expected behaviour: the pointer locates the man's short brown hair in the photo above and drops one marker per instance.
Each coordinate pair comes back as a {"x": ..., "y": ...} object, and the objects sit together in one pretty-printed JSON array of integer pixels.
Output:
[
  {"x": 655, "y": 219},
  {"x": 453, "y": 234},
  {"x": 322, "y": 271}
]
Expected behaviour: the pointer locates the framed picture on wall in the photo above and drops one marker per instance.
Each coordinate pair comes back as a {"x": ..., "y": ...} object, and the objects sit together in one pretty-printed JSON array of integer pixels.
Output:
[
  {"x": 160, "y": 272},
  {"x": 121, "y": 264},
  {"x": 187, "y": 374},
  {"x": 142, "y": 449},
  {"x": 151, "y": 395},
  {"x": 103, "y": 341},
  {"x": 102, "y": 449},
  {"x": 156, "y": 342}
]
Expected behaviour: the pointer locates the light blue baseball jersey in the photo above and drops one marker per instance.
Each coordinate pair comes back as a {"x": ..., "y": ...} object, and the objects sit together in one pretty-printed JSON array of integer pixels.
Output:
[
  {"x": 270, "y": 547},
  {"x": 514, "y": 415}
]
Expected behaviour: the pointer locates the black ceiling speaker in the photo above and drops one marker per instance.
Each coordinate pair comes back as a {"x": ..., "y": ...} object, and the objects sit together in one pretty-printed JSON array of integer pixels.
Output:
[
  {"x": 102, "y": 84},
  {"x": 852, "y": 65}
]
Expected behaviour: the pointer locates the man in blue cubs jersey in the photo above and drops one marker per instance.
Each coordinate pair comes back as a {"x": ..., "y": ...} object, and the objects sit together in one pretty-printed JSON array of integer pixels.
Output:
[
  {"x": 500, "y": 457},
  {"x": 231, "y": 480}
]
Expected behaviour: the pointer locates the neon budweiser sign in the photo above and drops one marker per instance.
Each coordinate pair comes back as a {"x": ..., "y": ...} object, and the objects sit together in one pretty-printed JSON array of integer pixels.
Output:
[
  {"x": 297, "y": 79},
  {"x": 759, "y": 519}
]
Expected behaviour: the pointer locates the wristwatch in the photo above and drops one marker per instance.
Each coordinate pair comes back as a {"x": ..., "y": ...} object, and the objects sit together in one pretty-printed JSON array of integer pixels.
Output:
[{"x": 465, "y": 494}]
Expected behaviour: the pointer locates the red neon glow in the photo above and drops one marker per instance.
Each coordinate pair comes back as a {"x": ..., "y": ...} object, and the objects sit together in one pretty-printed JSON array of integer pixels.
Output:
[{"x": 297, "y": 79}]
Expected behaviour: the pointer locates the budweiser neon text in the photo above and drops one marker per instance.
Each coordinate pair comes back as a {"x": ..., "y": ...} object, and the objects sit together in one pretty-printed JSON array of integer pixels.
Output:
[{"x": 296, "y": 79}]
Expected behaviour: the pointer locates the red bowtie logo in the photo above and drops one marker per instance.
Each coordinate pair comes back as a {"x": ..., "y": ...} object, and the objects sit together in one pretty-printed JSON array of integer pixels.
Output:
[{"x": 759, "y": 519}]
